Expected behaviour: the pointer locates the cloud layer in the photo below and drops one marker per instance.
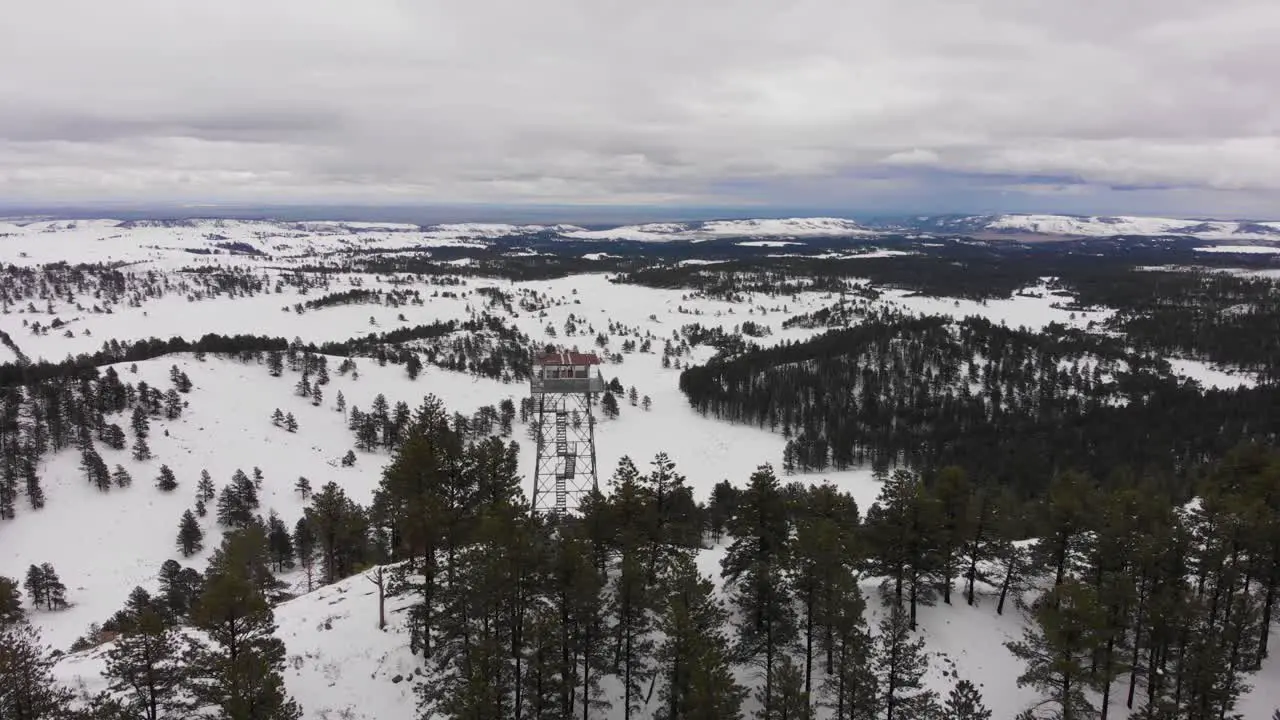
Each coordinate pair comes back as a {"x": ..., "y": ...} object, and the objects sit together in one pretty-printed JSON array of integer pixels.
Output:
[{"x": 600, "y": 101}]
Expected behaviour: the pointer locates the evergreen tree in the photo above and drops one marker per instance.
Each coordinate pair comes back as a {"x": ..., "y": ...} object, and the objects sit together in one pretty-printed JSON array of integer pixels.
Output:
[
  {"x": 190, "y": 536},
  {"x": 277, "y": 418},
  {"x": 290, "y": 423},
  {"x": 280, "y": 543},
  {"x": 10, "y": 602},
  {"x": 789, "y": 701},
  {"x": 179, "y": 588},
  {"x": 965, "y": 703},
  {"x": 94, "y": 468},
  {"x": 694, "y": 657},
  {"x": 204, "y": 487},
  {"x": 27, "y": 688},
  {"x": 166, "y": 480},
  {"x": 35, "y": 493},
  {"x": 339, "y": 526},
  {"x": 44, "y": 587},
  {"x": 236, "y": 671},
  {"x": 304, "y": 548},
  {"x": 141, "y": 450},
  {"x": 850, "y": 688},
  {"x": 121, "y": 477},
  {"x": 902, "y": 529},
  {"x": 139, "y": 422},
  {"x": 632, "y": 596},
  {"x": 143, "y": 666},
  {"x": 609, "y": 405},
  {"x": 900, "y": 665},
  {"x": 1059, "y": 648},
  {"x": 753, "y": 568},
  {"x": 952, "y": 496},
  {"x": 303, "y": 487}
]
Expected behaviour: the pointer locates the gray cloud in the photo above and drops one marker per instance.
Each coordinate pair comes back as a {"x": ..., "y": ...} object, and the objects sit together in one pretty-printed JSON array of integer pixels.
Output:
[{"x": 663, "y": 101}]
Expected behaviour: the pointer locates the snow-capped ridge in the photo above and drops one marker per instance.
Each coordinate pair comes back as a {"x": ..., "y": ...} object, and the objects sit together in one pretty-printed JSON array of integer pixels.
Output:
[
  {"x": 1109, "y": 226},
  {"x": 711, "y": 229}
]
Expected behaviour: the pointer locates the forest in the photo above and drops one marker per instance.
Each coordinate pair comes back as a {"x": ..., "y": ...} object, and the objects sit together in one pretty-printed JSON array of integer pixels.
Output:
[
  {"x": 1013, "y": 407},
  {"x": 1134, "y": 599}
]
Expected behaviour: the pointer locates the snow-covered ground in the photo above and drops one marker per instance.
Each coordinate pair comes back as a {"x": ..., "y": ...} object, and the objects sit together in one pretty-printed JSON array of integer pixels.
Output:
[
  {"x": 1101, "y": 226},
  {"x": 339, "y": 662},
  {"x": 784, "y": 227}
]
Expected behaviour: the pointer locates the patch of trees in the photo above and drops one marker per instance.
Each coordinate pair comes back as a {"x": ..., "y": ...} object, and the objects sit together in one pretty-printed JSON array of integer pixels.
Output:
[
  {"x": 1011, "y": 405},
  {"x": 1216, "y": 316}
]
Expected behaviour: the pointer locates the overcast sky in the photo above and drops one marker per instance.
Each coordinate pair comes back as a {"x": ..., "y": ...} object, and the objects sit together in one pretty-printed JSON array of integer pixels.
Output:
[{"x": 1169, "y": 106}]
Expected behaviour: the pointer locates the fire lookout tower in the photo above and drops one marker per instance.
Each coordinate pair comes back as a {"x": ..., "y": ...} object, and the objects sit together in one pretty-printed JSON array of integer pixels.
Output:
[{"x": 563, "y": 385}]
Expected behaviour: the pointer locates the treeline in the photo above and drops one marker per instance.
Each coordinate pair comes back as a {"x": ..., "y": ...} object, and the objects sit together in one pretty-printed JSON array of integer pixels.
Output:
[{"x": 1013, "y": 406}]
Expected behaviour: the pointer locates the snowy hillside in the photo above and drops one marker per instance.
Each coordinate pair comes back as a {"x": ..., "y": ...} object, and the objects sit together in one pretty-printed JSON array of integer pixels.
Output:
[
  {"x": 1100, "y": 226},
  {"x": 781, "y": 228}
]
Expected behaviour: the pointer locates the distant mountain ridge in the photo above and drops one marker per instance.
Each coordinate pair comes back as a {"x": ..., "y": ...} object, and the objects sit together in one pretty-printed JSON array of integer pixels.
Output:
[
  {"x": 1010, "y": 225},
  {"x": 1091, "y": 226}
]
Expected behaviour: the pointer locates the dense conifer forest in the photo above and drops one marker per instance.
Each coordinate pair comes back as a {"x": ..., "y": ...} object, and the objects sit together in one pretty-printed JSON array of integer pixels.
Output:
[{"x": 1011, "y": 406}]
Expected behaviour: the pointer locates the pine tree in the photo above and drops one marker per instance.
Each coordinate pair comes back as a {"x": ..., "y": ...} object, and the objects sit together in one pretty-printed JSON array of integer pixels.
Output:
[
  {"x": 646, "y": 403},
  {"x": 190, "y": 536},
  {"x": 965, "y": 703},
  {"x": 166, "y": 480},
  {"x": 237, "y": 670},
  {"x": 279, "y": 543},
  {"x": 753, "y": 568},
  {"x": 141, "y": 450},
  {"x": 304, "y": 547},
  {"x": 143, "y": 666},
  {"x": 290, "y": 423},
  {"x": 340, "y": 403},
  {"x": 121, "y": 477},
  {"x": 10, "y": 602},
  {"x": 850, "y": 688},
  {"x": 94, "y": 468},
  {"x": 27, "y": 688},
  {"x": 609, "y": 405},
  {"x": 204, "y": 488},
  {"x": 790, "y": 701},
  {"x": 952, "y": 495},
  {"x": 35, "y": 493},
  {"x": 139, "y": 422},
  {"x": 55, "y": 592},
  {"x": 900, "y": 665},
  {"x": 339, "y": 527},
  {"x": 303, "y": 487},
  {"x": 902, "y": 530},
  {"x": 36, "y": 588},
  {"x": 277, "y": 418},
  {"x": 633, "y": 397},
  {"x": 257, "y": 478},
  {"x": 694, "y": 657},
  {"x": 1059, "y": 648},
  {"x": 179, "y": 588}
]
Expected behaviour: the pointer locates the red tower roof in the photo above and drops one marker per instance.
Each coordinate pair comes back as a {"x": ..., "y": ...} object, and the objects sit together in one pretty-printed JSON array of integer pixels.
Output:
[{"x": 567, "y": 358}]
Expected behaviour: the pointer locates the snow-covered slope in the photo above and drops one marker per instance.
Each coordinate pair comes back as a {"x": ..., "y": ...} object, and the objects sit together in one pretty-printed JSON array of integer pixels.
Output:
[
  {"x": 1101, "y": 226},
  {"x": 783, "y": 227}
]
